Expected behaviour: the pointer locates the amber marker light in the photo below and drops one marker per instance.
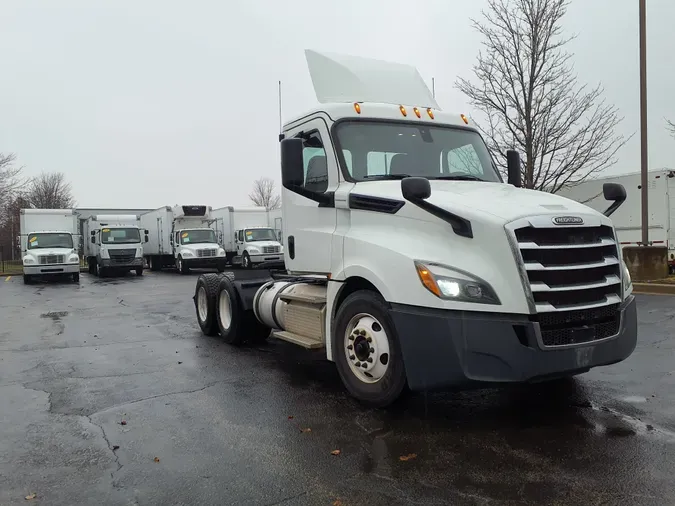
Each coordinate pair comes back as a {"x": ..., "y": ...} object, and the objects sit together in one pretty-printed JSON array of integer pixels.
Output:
[
  {"x": 430, "y": 112},
  {"x": 417, "y": 112},
  {"x": 357, "y": 108},
  {"x": 403, "y": 111},
  {"x": 466, "y": 121},
  {"x": 427, "y": 279}
]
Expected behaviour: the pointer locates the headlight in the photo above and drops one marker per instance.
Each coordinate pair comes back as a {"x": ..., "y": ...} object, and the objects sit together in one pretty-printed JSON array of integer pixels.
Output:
[
  {"x": 627, "y": 281},
  {"x": 28, "y": 261},
  {"x": 450, "y": 284},
  {"x": 253, "y": 250},
  {"x": 73, "y": 259},
  {"x": 187, "y": 253},
  {"x": 221, "y": 252},
  {"x": 104, "y": 253}
]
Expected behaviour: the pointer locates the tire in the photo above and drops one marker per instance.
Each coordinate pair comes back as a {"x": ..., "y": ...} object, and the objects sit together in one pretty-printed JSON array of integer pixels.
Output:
[
  {"x": 76, "y": 277},
  {"x": 205, "y": 303},
  {"x": 181, "y": 267},
  {"x": 101, "y": 271},
  {"x": 154, "y": 264},
  {"x": 388, "y": 379},
  {"x": 235, "y": 325},
  {"x": 27, "y": 279},
  {"x": 246, "y": 261},
  {"x": 139, "y": 272}
]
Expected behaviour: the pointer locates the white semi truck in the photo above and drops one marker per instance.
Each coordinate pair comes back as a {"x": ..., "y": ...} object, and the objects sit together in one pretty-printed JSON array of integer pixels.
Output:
[
  {"x": 411, "y": 262},
  {"x": 49, "y": 242},
  {"x": 248, "y": 236},
  {"x": 113, "y": 243},
  {"x": 182, "y": 237}
]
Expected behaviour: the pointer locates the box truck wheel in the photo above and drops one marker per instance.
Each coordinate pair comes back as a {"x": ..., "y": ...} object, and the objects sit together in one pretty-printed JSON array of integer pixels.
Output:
[
  {"x": 367, "y": 351},
  {"x": 205, "y": 303},
  {"x": 76, "y": 277},
  {"x": 27, "y": 279},
  {"x": 246, "y": 261},
  {"x": 235, "y": 324},
  {"x": 180, "y": 265}
]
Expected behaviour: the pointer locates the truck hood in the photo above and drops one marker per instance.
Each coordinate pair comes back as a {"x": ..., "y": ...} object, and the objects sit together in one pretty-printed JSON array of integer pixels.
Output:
[
  {"x": 495, "y": 202},
  {"x": 200, "y": 245},
  {"x": 50, "y": 251},
  {"x": 262, "y": 244}
]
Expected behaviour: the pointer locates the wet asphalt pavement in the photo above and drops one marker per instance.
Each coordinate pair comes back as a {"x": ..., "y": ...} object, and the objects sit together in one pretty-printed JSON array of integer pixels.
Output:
[{"x": 110, "y": 395}]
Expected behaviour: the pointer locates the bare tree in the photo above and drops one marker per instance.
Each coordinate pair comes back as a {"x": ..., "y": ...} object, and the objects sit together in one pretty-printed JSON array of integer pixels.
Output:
[
  {"x": 528, "y": 93},
  {"x": 50, "y": 191},
  {"x": 264, "y": 194},
  {"x": 11, "y": 181},
  {"x": 671, "y": 126}
]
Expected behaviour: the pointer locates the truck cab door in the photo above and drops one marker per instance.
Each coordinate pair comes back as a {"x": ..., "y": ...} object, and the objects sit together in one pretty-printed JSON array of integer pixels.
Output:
[
  {"x": 308, "y": 210},
  {"x": 239, "y": 238}
]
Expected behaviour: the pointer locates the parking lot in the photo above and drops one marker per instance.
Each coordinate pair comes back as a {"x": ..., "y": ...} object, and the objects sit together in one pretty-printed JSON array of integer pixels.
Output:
[{"x": 109, "y": 394}]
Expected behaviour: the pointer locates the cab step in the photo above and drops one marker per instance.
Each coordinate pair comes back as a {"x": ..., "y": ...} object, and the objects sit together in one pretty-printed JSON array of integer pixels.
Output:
[{"x": 304, "y": 341}]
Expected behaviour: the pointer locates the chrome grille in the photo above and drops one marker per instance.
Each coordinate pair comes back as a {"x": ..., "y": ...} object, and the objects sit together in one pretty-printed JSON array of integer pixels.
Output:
[
  {"x": 207, "y": 253},
  {"x": 271, "y": 249},
  {"x": 571, "y": 267},
  {"x": 51, "y": 259}
]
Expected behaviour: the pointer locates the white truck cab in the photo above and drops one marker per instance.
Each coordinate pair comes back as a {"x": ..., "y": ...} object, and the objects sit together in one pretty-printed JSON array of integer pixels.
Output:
[
  {"x": 411, "y": 262},
  {"x": 114, "y": 244},
  {"x": 49, "y": 244},
  {"x": 256, "y": 245}
]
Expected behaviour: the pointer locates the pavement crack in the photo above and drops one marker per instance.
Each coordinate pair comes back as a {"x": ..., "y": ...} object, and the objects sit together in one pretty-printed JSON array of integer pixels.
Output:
[
  {"x": 286, "y": 499},
  {"x": 110, "y": 447}
]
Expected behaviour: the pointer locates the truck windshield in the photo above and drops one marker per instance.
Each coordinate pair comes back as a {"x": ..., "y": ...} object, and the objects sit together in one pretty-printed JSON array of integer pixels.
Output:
[
  {"x": 120, "y": 236},
  {"x": 378, "y": 150},
  {"x": 53, "y": 240},
  {"x": 197, "y": 236},
  {"x": 260, "y": 234}
]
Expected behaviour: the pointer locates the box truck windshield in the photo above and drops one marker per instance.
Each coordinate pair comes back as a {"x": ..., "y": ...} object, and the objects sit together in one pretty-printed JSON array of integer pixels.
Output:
[
  {"x": 376, "y": 150},
  {"x": 50, "y": 240},
  {"x": 260, "y": 234},
  {"x": 120, "y": 236},
  {"x": 197, "y": 236}
]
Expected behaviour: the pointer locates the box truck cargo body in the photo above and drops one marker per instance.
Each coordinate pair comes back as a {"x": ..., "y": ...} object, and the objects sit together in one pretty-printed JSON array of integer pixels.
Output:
[
  {"x": 182, "y": 237},
  {"x": 49, "y": 243},
  {"x": 248, "y": 236},
  {"x": 113, "y": 243}
]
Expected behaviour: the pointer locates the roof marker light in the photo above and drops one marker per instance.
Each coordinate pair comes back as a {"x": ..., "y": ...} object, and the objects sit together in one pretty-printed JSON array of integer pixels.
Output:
[
  {"x": 430, "y": 112},
  {"x": 464, "y": 119},
  {"x": 357, "y": 107},
  {"x": 403, "y": 111},
  {"x": 417, "y": 112}
]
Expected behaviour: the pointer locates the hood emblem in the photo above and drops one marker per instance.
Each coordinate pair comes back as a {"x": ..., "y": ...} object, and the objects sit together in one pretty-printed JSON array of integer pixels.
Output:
[{"x": 568, "y": 220}]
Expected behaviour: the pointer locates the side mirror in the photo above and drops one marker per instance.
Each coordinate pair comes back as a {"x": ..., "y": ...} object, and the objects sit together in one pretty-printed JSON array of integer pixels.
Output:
[
  {"x": 415, "y": 188},
  {"x": 147, "y": 238},
  {"x": 146, "y": 231},
  {"x": 292, "y": 165},
  {"x": 615, "y": 193},
  {"x": 93, "y": 232},
  {"x": 93, "y": 239},
  {"x": 513, "y": 168}
]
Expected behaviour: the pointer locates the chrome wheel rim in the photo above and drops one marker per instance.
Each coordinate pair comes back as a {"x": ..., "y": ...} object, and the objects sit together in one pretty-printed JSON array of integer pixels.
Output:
[
  {"x": 202, "y": 305},
  {"x": 225, "y": 310},
  {"x": 366, "y": 347}
]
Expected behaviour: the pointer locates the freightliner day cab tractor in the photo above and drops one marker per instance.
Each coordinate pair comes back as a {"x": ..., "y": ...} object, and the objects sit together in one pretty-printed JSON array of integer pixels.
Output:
[
  {"x": 411, "y": 263},
  {"x": 113, "y": 244},
  {"x": 49, "y": 243}
]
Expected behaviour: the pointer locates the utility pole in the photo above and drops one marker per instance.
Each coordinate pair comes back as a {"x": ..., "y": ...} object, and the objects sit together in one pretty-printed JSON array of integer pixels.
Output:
[{"x": 643, "y": 122}]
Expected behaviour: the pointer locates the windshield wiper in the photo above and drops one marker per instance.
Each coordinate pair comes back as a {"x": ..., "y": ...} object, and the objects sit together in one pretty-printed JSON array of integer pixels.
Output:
[
  {"x": 463, "y": 177},
  {"x": 385, "y": 177}
]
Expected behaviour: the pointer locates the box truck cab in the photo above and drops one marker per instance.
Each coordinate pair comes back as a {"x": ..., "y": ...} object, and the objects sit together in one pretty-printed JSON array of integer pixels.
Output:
[
  {"x": 256, "y": 245},
  {"x": 114, "y": 244},
  {"x": 49, "y": 243}
]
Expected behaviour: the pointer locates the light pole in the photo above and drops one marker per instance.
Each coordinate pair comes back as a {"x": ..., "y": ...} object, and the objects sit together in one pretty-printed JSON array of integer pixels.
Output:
[{"x": 643, "y": 122}]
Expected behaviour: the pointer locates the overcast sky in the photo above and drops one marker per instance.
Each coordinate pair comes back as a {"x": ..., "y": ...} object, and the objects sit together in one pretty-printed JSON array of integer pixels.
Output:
[{"x": 144, "y": 103}]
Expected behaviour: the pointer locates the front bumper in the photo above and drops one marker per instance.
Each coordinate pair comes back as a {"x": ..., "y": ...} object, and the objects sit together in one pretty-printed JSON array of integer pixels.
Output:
[
  {"x": 116, "y": 264},
  {"x": 204, "y": 263},
  {"x": 443, "y": 349},
  {"x": 273, "y": 257},
  {"x": 38, "y": 270}
]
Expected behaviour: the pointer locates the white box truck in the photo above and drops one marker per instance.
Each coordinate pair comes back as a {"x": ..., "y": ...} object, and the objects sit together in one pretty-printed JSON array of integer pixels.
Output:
[
  {"x": 113, "y": 244},
  {"x": 246, "y": 235},
  {"x": 628, "y": 218},
  {"x": 410, "y": 262},
  {"x": 182, "y": 237},
  {"x": 49, "y": 243}
]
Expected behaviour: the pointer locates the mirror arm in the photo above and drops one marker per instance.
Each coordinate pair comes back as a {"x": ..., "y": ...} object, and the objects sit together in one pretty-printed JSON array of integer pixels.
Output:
[{"x": 612, "y": 208}]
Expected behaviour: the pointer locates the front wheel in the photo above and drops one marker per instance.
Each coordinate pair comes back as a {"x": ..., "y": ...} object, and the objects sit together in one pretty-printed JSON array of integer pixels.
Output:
[
  {"x": 180, "y": 266},
  {"x": 76, "y": 277},
  {"x": 27, "y": 279},
  {"x": 139, "y": 271},
  {"x": 246, "y": 261},
  {"x": 367, "y": 351}
]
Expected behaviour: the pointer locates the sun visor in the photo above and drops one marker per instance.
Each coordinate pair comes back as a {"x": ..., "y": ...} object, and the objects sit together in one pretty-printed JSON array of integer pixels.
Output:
[{"x": 346, "y": 79}]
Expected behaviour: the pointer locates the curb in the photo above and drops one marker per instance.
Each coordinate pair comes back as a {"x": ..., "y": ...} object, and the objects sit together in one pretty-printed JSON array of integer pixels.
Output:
[{"x": 654, "y": 288}]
